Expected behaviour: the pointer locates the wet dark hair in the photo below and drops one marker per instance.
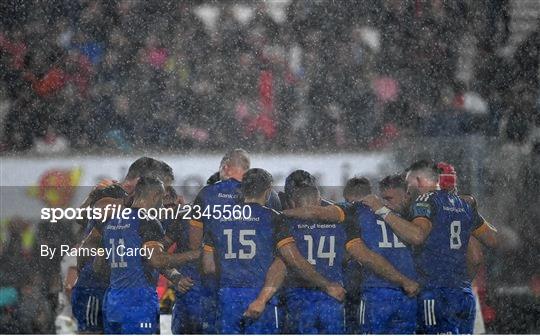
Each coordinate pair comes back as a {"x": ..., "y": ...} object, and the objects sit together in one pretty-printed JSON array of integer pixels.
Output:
[
  {"x": 396, "y": 181},
  {"x": 141, "y": 167},
  {"x": 357, "y": 187},
  {"x": 304, "y": 192},
  {"x": 170, "y": 195},
  {"x": 427, "y": 166},
  {"x": 148, "y": 184},
  {"x": 255, "y": 182},
  {"x": 297, "y": 179},
  {"x": 146, "y": 166},
  {"x": 165, "y": 171}
]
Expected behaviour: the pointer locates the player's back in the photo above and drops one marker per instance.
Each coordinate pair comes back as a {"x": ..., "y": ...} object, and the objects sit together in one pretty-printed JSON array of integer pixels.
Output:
[
  {"x": 441, "y": 260},
  {"x": 244, "y": 247},
  {"x": 323, "y": 245},
  {"x": 132, "y": 288},
  {"x": 226, "y": 192},
  {"x": 379, "y": 237}
]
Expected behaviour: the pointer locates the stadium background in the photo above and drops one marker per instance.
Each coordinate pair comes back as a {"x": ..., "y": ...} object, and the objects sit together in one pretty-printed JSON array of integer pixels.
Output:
[{"x": 361, "y": 87}]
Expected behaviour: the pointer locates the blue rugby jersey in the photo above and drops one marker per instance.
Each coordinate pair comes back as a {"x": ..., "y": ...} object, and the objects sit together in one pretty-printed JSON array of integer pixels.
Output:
[
  {"x": 245, "y": 248},
  {"x": 441, "y": 260}
]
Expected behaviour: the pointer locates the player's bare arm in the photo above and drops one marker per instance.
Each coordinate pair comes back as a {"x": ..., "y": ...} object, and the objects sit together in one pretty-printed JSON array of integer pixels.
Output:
[
  {"x": 475, "y": 257},
  {"x": 208, "y": 261},
  {"x": 161, "y": 260},
  {"x": 195, "y": 233},
  {"x": 273, "y": 282},
  {"x": 413, "y": 232},
  {"x": 294, "y": 259},
  {"x": 70, "y": 280},
  {"x": 180, "y": 282},
  {"x": 378, "y": 264},
  {"x": 487, "y": 235}
]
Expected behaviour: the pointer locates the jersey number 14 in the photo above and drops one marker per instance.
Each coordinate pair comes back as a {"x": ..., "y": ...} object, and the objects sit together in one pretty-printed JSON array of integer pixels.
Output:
[{"x": 321, "y": 254}]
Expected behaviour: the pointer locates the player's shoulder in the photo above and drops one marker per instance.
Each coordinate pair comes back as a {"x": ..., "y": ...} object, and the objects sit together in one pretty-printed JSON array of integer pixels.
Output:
[
  {"x": 428, "y": 196},
  {"x": 358, "y": 207},
  {"x": 470, "y": 200},
  {"x": 327, "y": 202},
  {"x": 270, "y": 211},
  {"x": 220, "y": 186},
  {"x": 275, "y": 216}
]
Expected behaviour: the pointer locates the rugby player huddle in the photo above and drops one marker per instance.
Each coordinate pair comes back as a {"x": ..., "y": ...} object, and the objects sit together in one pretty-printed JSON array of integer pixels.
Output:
[{"x": 294, "y": 263}]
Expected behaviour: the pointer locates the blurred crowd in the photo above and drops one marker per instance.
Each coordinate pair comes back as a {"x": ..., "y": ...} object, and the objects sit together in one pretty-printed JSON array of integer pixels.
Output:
[
  {"x": 123, "y": 75},
  {"x": 120, "y": 76}
]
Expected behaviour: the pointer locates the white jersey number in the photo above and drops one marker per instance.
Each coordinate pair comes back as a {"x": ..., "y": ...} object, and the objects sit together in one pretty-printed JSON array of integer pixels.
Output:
[
  {"x": 116, "y": 248},
  {"x": 330, "y": 255},
  {"x": 385, "y": 243},
  {"x": 455, "y": 238},
  {"x": 251, "y": 248}
]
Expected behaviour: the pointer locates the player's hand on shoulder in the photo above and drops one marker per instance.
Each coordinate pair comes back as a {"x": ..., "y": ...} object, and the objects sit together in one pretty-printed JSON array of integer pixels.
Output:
[
  {"x": 411, "y": 288},
  {"x": 374, "y": 202},
  {"x": 255, "y": 309},
  {"x": 184, "y": 284},
  {"x": 336, "y": 291}
]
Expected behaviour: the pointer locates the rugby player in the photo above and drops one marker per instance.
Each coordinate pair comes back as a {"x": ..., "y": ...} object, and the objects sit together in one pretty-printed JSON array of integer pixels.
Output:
[
  {"x": 251, "y": 254},
  {"x": 309, "y": 310},
  {"x": 439, "y": 227},
  {"x": 200, "y": 303},
  {"x": 88, "y": 292},
  {"x": 354, "y": 190},
  {"x": 89, "y": 289},
  {"x": 379, "y": 273},
  {"x": 131, "y": 302},
  {"x": 475, "y": 257}
]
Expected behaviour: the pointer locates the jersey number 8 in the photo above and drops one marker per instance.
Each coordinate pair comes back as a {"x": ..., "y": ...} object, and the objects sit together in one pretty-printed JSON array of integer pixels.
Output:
[{"x": 455, "y": 238}]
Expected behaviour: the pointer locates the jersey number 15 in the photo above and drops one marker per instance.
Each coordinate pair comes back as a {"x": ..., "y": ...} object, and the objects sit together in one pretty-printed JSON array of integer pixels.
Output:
[{"x": 243, "y": 238}]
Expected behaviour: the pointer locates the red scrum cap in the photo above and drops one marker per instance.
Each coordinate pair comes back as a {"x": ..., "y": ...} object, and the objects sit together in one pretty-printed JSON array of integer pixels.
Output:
[{"x": 447, "y": 176}]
